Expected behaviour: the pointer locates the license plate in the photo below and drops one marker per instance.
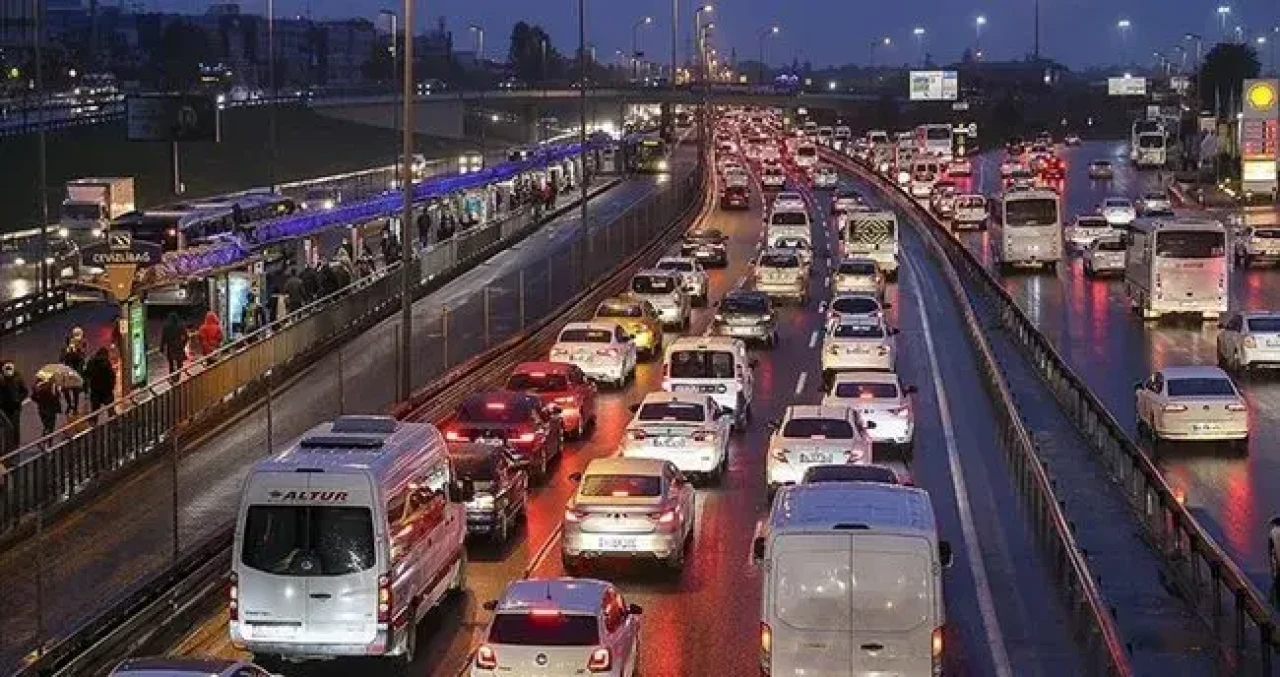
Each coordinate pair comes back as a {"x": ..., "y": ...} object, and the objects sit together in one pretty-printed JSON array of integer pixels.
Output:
[
  {"x": 815, "y": 457},
  {"x": 274, "y": 631},
  {"x": 684, "y": 388},
  {"x": 668, "y": 442},
  {"x": 618, "y": 543},
  {"x": 494, "y": 441},
  {"x": 1272, "y": 343},
  {"x": 1204, "y": 426}
]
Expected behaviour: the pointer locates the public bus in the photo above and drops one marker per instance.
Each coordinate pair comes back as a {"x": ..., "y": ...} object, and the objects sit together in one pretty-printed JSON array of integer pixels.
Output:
[
  {"x": 1150, "y": 150},
  {"x": 934, "y": 140},
  {"x": 649, "y": 156},
  {"x": 177, "y": 227},
  {"x": 1143, "y": 126},
  {"x": 1028, "y": 229},
  {"x": 1177, "y": 266}
]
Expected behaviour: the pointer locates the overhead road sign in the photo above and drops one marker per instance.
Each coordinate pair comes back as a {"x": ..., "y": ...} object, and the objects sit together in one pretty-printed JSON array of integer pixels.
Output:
[
  {"x": 172, "y": 117},
  {"x": 934, "y": 86}
]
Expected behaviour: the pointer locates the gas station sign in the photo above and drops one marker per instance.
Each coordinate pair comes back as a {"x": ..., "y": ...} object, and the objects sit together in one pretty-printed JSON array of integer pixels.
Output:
[{"x": 1259, "y": 135}]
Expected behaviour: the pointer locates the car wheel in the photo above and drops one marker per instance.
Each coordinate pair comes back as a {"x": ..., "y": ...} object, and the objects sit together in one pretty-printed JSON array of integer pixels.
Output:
[{"x": 1241, "y": 446}]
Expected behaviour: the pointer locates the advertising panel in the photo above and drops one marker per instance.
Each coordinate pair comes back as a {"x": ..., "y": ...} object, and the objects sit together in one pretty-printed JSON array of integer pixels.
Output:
[
  {"x": 1126, "y": 86},
  {"x": 934, "y": 85}
]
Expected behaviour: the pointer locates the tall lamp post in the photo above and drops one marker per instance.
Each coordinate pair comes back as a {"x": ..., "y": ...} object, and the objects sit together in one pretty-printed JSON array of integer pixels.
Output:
[
  {"x": 978, "y": 23},
  {"x": 675, "y": 39},
  {"x": 479, "y": 33},
  {"x": 275, "y": 94},
  {"x": 407, "y": 259},
  {"x": 1123, "y": 26},
  {"x": 919, "y": 33},
  {"x": 1224, "y": 12},
  {"x": 582, "y": 121},
  {"x": 635, "y": 45},
  {"x": 700, "y": 43},
  {"x": 886, "y": 41},
  {"x": 42, "y": 169},
  {"x": 765, "y": 33}
]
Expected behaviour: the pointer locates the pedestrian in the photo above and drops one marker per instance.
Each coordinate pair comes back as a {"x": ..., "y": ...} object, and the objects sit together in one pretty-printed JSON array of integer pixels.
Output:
[
  {"x": 100, "y": 377},
  {"x": 424, "y": 227},
  {"x": 48, "y": 401},
  {"x": 210, "y": 333},
  {"x": 74, "y": 356},
  {"x": 310, "y": 276},
  {"x": 173, "y": 341},
  {"x": 295, "y": 293},
  {"x": 13, "y": 392},
  {"x": 328, "y": 280},
  {"x": 253, "y": 316}
]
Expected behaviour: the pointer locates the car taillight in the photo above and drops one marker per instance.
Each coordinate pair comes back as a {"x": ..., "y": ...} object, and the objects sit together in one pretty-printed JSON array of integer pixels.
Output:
[
  {"x": 900, "y": 411},
  {"x": 233, "y": 597},
  {"x": 636, "y": 434},
  {"x": 454, "y": 436},
  {"x": 935, "y": 650},
  {"x": 601, "y": 660},
  {"x": 486, "y": 658},
  {"x": 664, "y": 517},
  {"x": 1236, "y": 406},
  {"x": 567, "y": 399},
  {"x": 704, "y": 436},
  {"x": 766, "y": 647},
  {"x": 526, "y": 438},
  {"x": 1174, "y": 408},
  {"x": 384, "y": 599}
]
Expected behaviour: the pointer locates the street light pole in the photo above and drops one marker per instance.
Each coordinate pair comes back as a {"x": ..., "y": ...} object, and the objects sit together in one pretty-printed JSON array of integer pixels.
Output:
[
  {"x": 772, "y": 30},
  {"x": 635, "y": 46},
  {"x": 479, "y": 31},
  {"x": 919, "y": 33},
  {"x": 407, "y": 258},
  {"x": 1123, "y": 26},
  {"x": 1223, "y": 12},
  {"x": 700, "y": 44},
  {"x": 275, "y": 93},
  {"x": 675, "y": 39},
  {"x": 42, "y": 169},
  {"x": 582, "y": 120},
  {"x": 978, "y": 23}
]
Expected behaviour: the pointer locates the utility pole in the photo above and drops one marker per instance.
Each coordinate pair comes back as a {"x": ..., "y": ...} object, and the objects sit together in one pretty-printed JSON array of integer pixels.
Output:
[
  {"x": 1037, "y": 31},
  {"x": 42, "y": 173},
  {"x": 407, "y": 259}
]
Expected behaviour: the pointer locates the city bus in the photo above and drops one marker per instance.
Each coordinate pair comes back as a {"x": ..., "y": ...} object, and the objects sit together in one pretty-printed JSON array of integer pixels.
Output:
[
  {"x": 649, "y": 156},
  {"x": 1177, "y": 266},
  {"x": 1027, "y": 229},
  {"x": 1150, "y": 151},
  {"x": 1142, "y": 127},
  {"x": 934, "y": 140}
]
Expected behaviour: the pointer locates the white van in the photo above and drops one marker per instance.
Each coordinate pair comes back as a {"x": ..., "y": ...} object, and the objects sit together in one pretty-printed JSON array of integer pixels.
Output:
[
  {"x": 925, "y": 171},
  {"x": 713, "y": 365},
  {"x": 852, "y": 581},
  {"x": 345, "y": 540}
]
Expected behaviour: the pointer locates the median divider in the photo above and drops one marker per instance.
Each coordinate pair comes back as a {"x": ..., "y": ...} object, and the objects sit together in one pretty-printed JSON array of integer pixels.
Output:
[{"x": 1096, "y": 631}]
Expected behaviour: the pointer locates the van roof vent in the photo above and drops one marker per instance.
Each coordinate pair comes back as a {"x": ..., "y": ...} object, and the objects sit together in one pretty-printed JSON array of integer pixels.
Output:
[
  {"x": 851, "y": 526},
  {"x": 341, "y": 442},
  {"x": 382, "y": 425}
]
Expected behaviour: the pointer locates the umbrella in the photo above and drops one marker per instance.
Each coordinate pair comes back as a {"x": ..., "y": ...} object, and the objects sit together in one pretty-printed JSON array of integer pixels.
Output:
[{"x": 62, "y": 375}]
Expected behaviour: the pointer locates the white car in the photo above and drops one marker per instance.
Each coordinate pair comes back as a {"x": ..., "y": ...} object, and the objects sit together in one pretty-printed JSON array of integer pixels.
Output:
[
  {"x": 824, "y": 176},
  {"x": 809, "y": 435},
  {"x": 627, "y": 508},
  {"x": 959, "y": 167},
  {"x": 172, "y": 666},
  {"x": 770, "y": 153},
  {"x": 773, "y": 177},
  {"x": 856, "y": 305},
  {"x": 1106, "y": 254},
  {"x": 970, "y": 209},
  {"x": 789, "y": 201},
  {"x": 737, "y": 177},
  {"x": 1088, "y": 227},
  {"x": 1249, "y": 340},
  {"x": 559, "y": 626},
  {"x": 1193, "y": 404},
  {"x": 858, "y": 275},
  {"x": 691, "y": 274},
  {"x": 783, "y": 274},
  {"x": 879, "y": 398},
  {"x": 1257, "y": 244},
  {"x": 794, "y": 244},
  {"x": 1155, "y": 203},
  {"x": 664, "y": 290},
  {"x": 603, "y": 351},
  {"x": 854, "y": 343},
  {"x": 688, "y": 429},
  {"x": 1118, "y": 211}
]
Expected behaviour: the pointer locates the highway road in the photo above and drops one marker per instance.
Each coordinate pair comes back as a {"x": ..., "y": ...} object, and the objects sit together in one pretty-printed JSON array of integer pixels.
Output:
[
  {"x": 117, "y": 540},
  {"x": 1002, "y": 611},
  {"x": 1112, "y": 349}
]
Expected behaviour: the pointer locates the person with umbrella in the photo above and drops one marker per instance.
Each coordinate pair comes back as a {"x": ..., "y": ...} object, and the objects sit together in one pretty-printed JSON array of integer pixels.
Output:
[
  {"x": 13, "y": 392},
  {"x": 100, "y": 376},
  {"x": 48, "y": 398}
]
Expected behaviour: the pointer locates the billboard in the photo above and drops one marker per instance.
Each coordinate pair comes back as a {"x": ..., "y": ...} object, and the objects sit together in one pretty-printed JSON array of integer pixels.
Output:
[
  {"x": 1126, "y": 86},
  {"x": 934, "y": 86},
  {"x": 171, "y": 117}
]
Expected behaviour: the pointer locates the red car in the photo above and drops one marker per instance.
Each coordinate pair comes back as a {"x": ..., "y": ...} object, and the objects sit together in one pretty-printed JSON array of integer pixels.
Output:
[
  {"x": 735, "y": 197},
  {"x": 563, "y": 385},
  {"x": 532, "y": 430}
]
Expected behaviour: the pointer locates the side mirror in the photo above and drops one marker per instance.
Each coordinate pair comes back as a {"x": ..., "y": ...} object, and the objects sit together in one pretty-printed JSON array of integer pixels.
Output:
[
  {"x": 635, "y": 609},
  {"x": 757, "y": 550},
  {"x": 462, "y": 490},
  {"x": 575, "y": 477},
  {"x": 910, "y": 390},
  {"x": 944, "y": 554},
  {"x": 634, "y": 408},
  {"x": 628, "y": 338},
  {"x": 490, "y": 605}
]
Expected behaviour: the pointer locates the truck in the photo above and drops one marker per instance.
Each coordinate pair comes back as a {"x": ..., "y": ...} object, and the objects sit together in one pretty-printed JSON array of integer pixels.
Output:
[
  {"x": 92, "y": 203},
  {"x": 1177, "y": 266},
  {"x": 1151, "y": 150},
  {"x": 872, "y": 235}
]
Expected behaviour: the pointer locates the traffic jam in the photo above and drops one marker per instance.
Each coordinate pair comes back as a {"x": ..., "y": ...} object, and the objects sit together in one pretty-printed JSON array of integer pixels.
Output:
[{"x": 403, "y": 505}]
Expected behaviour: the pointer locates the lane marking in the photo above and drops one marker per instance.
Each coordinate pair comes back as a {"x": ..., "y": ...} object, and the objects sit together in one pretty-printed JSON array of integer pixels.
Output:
[
  {"x": 813, "y": 339},
  {"x": 982, "y": 585},
  {"x": 826, "y": 281},
  {"x": 804, "y": 375}
]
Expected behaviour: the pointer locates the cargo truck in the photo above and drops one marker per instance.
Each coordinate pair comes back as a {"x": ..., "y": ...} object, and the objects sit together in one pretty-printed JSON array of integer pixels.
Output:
[{"x": 92, "y": 204}]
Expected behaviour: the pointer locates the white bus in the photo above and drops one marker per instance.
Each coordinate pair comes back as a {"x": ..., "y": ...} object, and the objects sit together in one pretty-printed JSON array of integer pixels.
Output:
[
  {"x": 1028, "y": 229},
  {"x": 1150, "y": 150},
  {"x": 1139, "y": 128},
  {"x": 1177, "y": 266},
  {"x": 934, "y": 140}
]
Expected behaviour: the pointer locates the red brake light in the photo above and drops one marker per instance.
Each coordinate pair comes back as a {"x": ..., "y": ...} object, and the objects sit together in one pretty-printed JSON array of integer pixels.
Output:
[
  {"x": 664, "y": 517},
  {"x": 453, "y": 436},
  {"x": 384, "y": 599},
  {"x": 486, "y": 659},
  {"x": 233, "y": 597},
  {"x": 497, "y": 406},
  {"x": 526, "y": 438},
  {"x": 601, "y": 660},
  {"x": 545, "y": 612}
]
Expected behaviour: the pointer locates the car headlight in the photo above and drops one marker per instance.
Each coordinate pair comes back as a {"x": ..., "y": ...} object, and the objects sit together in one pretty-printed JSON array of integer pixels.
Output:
[
  {"x": 662, "y": 165},
  {"x": 482, "y": 502}
]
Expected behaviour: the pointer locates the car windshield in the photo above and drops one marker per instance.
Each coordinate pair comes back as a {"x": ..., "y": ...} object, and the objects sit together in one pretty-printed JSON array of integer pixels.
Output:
[
  {"x": 970, "y": 201},
  {"x": 1200, "y": 387},
  {"x": 855, "y": 330},
  {"x": 1153, "y": 197},
  {"x": 857, "y": 268},
  {"x": 537, "y": 381},
  {"x": 1110, "y": 245},
  {"x": 1266, "y": 233},
  {"x": 1190, "y": 244},
  {"x": 1031, "y": 212},
  {"x": 480, "y": 409},
  {"x": 818, "y": 428},
  {"x": 652, "y": 284},
  {"x": 1268, "y": 325},
  {"x": 684, "y": 412},
  {"x": 856, "y": 305},
  {"x": 620, "y": 310},
  {"x": 678, "y": 266},
  {"x": 621, "y": 485},
  {"x": 305, "y": 540},
  {"x": 750, "y": 305},
  {"x": 586, "y": 336},
  {"x": 1118, "y": 203},
  {"x": 544, "y": 629},
  {"x": 1151, "y": 141},
  {"x": 788, "y": 218},
  {"x": 1092, "y": 222},
  {"x": 866, "y": 391},
  {"x": 938, "y": 133},
  {"x": 806, "y": 151},
  {"x": 702, "y": 364},
  {"x": 779, "y": 260}
]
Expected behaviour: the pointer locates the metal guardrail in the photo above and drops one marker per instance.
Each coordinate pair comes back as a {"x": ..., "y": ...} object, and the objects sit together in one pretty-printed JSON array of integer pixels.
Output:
[
  {"x": 21, "y": 311},
  {"x": 578, "y": 277},
  {"x": 56, "y": 468},
  {"x": 1096, "y": 629}
]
